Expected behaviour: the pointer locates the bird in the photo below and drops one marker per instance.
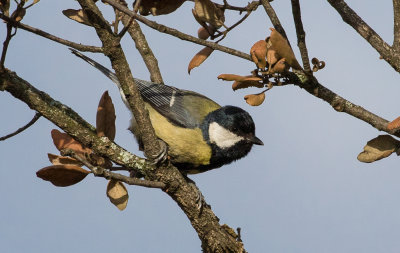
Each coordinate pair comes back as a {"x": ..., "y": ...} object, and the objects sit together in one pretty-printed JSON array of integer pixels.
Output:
[{"x": 200, "y": 134}]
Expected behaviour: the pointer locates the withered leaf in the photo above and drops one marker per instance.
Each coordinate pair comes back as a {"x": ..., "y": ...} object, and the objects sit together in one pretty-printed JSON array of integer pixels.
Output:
[
  {"x": 283, "y": 49},
  {"x": 258, "y": 53},
  {"x": 199, "y": 58},
  {"x": 117, "y": 194},
  {"x": 272, "y": 57},
  {"x": 378, "y": 148},
  {"x": 231, "y": 77},
  {"x": 63, "y": 175},
  {"x": 280, "y": 67},
  {"x": 157, "y": 7},
  {"x": 395, "y": 124},
  {"x": 206, "y": 11},
  {"x": 60, "y": 160},
  {"x": 255, "y": 99},
  {"x": 105, "y": 118},
  {"x": 77, "y": 15},
  {"x": 248, "y": 81},
  {"x": 63, "y": 141}
]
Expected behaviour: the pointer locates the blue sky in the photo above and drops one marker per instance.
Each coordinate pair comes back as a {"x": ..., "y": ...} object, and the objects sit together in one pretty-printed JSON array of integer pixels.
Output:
[{"x": 303, "y": 191}]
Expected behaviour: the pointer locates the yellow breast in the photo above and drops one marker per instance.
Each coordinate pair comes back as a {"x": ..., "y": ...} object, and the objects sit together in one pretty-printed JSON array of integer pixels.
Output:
[{"x": 185, "y": 145}]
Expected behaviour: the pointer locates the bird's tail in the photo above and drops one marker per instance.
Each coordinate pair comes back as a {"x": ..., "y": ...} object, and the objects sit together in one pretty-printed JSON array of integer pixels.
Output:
[{"x": 103, "y": 70}]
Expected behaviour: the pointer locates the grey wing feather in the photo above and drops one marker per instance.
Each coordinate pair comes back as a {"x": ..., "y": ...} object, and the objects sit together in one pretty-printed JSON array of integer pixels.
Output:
[{"x": 167, "y": 100}]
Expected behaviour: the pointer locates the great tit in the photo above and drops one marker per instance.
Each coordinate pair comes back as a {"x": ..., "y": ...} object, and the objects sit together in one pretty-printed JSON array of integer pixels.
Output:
[{"x": 200, "y": 134}]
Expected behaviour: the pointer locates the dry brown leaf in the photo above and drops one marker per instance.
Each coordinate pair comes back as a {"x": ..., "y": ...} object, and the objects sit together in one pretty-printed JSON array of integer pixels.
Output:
[
  {"x": 231, "y": 77},
  {"x": 279, "y": 67},
  {"x": 378, "y": 148},
  {"x": 117, "y": 194},
  {"x": 63, "y": 175},
  {"x": 206, "y": 11},
  {"x": 199, "y": 58},
  {"x": 202, "y": 33},
  {"x": 63, "y": 141},
  {"x": 272, "y": 57},
  {"x": 248, "y": 81},
  {"x": 157, "y": 7},
  {"x": 255, "y": 99},
  {"x": 77, "y": 15},
  {"x": 395, "y": 124},
  {"x": 60, "y": 160},
  {"x": 283, "y": 49},
  {"x": 105, "y": 118},
  {"x": 258, "y": 54}
]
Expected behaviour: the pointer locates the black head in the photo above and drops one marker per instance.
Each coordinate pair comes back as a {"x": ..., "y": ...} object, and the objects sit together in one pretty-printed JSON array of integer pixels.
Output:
[{"x": 230, "y": 131}]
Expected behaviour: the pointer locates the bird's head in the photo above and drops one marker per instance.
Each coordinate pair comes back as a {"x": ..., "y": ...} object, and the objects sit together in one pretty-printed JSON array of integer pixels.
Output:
[{"x": 230, "y": 131}]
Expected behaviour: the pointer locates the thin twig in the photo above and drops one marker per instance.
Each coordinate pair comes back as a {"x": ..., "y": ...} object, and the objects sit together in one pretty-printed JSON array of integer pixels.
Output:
[
  {"x": 351, "y": 18},
  {"x": 396, "y": 27},
  {"x": 102, "y": 172},
  {"x": 274, "y": 18},
  {"x": 5, "y": 45},
  {"x": 301, "y": 36},
  {"x": 176, "y": 33},
  {"x": 49, "y": 36},
  {"x": 30, "y": 123}
]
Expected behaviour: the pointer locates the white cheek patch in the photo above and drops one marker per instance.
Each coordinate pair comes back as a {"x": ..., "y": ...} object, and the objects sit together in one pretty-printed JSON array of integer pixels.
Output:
[{"x": 222, "y": 137}]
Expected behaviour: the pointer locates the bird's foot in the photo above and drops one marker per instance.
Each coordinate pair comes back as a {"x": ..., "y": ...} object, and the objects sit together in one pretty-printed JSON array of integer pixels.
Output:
[{"x": 162, "y": 156}]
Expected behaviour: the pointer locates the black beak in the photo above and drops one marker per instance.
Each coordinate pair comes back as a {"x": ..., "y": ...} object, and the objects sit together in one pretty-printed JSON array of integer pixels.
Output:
[{"x": 256, "y": 141}]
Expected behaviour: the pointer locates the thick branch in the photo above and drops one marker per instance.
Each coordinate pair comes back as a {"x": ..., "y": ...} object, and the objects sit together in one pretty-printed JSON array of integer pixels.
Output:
[
  {"x": 49, "y": 36},
  {"x": 30, "y": 123},
  {"x": 274, "y": 18},
  {"x": 351, "y": 18},
  {"x": 176, "y": 33},
  {"x": 143, "y": 47},
  {"x": 396, "y": 27},
  {"x": 301, "y": 36}
]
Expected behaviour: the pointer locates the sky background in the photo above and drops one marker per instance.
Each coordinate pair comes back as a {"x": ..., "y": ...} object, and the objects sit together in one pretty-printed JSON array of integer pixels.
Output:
[{"x": 303, "y": 191}]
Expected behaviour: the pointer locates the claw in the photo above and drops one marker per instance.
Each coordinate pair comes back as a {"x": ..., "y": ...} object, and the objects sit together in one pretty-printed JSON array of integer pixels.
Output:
[{"x": 163, "y": 155}]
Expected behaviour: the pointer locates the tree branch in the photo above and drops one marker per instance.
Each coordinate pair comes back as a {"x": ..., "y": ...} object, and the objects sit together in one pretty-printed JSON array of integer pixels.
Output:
[
  {"x": 301, "y": 36},
  {"x": 30, "y": 123},
  {"x": 351, "y": 18},
  {"x": 49, "y": 36},
  {"x": 142, "y": 46},
  {"x": 396, "y": 26},
  {"x": 176, "y": 33}
]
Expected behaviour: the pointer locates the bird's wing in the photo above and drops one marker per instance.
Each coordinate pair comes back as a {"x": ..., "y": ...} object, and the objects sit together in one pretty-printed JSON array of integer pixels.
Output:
[{"x": 167, "y": 100}]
